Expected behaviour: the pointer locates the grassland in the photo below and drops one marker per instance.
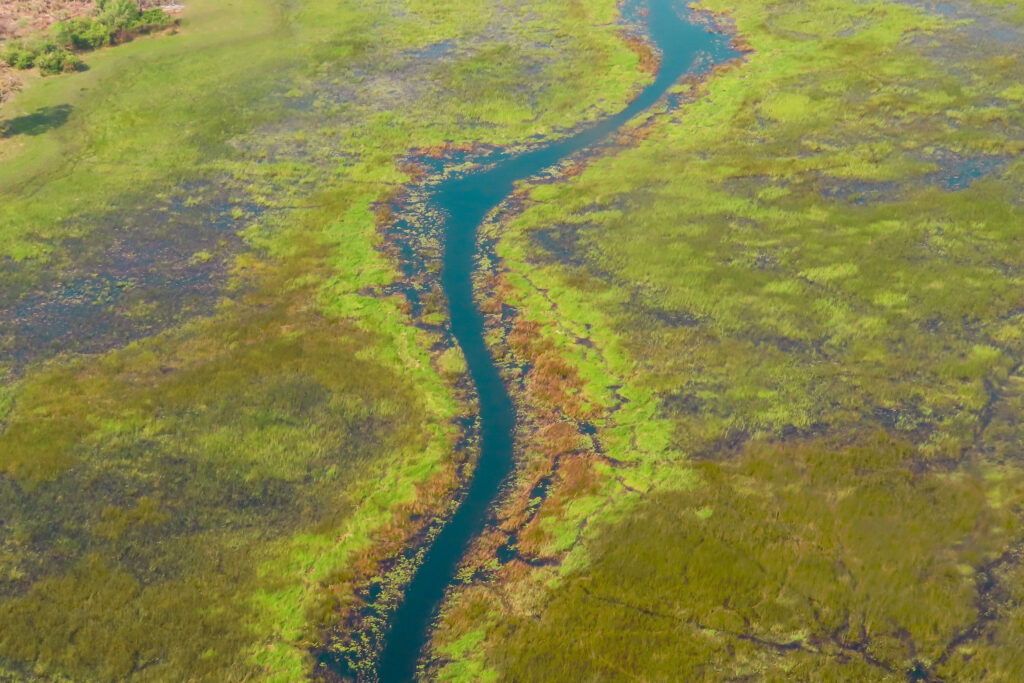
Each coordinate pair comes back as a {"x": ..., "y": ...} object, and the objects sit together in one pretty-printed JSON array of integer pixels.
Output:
[
  {"x": 199, "y": 486},
  {"x": 769, "y": 357}
]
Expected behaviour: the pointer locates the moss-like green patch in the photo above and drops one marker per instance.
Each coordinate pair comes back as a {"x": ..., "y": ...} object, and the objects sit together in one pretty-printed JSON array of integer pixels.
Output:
[
  {"x": 821, "y": 246},
  {"x": 205, "y": 501}
]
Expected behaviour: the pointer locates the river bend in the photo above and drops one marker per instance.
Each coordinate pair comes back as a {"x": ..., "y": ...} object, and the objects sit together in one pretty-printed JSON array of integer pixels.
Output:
[{"x": 687, "y": 46}]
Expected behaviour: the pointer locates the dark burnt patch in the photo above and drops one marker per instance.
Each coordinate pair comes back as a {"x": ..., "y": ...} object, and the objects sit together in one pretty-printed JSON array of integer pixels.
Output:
[
  {"x": 560, "y": 243},
  {"x": 681, "y": 403}
]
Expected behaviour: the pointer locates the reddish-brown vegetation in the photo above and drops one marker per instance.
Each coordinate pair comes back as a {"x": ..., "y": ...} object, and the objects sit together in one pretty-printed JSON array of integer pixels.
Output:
[{"x": 649, "y": 59}]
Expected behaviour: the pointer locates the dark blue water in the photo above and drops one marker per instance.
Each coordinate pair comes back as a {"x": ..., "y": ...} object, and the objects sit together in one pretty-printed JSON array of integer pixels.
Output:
[{"x": 687, "y": 47}]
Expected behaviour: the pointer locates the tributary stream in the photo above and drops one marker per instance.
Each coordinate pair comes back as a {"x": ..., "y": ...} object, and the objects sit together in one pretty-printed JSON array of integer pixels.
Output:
[{"x": 688, "y": 47}]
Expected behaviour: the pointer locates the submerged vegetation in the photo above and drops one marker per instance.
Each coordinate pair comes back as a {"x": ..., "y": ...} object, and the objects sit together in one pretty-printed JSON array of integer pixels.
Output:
[
  {"x": 768, "y": 355},
  {"x": 218, "y": 419}
]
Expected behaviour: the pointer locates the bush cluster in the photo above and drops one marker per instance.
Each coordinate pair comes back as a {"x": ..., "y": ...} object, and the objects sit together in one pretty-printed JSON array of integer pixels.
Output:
[
  {"x": 115, "y": 22},
  {"x": 50, "y": 57}
]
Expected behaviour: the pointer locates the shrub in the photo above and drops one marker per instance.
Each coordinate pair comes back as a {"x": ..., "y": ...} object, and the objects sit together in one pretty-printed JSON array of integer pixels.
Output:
[
  {"x": 19, "y": 57},
  {"x": 154, "y": 18},
  {"x": 57, "y": 61},
  {"x": 81, "y": 34},
  {"x": 8, "y": 86},
  {"x": 50, "y": 57},
  {"x": 123, "y": 17},
  {"x": 115, "y": 22}
]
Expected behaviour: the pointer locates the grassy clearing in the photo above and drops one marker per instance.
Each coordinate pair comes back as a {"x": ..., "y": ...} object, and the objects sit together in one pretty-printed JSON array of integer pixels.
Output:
[
  {"x": 793, "y": 316},
  {"x": 204, "y": 501}
]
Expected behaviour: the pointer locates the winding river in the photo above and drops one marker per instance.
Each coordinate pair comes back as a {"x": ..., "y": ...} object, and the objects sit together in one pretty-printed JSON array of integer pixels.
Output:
[{"x": 687, "y": 46}]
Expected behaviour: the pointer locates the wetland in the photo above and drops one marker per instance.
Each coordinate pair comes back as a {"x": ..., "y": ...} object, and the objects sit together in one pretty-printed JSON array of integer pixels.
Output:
[{"x": 523, "y": 340}]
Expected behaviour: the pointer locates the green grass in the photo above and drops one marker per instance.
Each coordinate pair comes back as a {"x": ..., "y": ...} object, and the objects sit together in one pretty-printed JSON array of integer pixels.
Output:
[
  {"x": 802, "y": 473},
  {"x": 882, "y": 577},
  {"x": 204, "y": 502}
]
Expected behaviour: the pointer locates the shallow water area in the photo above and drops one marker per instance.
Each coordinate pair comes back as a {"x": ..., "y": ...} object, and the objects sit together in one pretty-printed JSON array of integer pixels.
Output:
[{"x": 136, "y": 272}]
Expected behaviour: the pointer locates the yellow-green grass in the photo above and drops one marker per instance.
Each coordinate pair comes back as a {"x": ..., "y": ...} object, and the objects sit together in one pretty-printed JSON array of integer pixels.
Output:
[
  {"x": 202, "y": 503},
  {"x": 752, "y": 327}
]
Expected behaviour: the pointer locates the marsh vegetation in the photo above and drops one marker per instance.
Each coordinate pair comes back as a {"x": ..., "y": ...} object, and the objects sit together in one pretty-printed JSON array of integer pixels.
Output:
[
  {"x": 218, "y": 422},
  {"x": 769, "y": 351},
  {"x": 765, "y": 346}
]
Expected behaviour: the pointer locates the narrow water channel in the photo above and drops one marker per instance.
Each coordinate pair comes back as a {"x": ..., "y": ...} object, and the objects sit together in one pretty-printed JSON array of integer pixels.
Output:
[{"x": 687, "y": 46}]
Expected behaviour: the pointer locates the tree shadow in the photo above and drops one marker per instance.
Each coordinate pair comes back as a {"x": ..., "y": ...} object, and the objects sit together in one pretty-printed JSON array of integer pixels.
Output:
[{"x": 36, "y": 123}]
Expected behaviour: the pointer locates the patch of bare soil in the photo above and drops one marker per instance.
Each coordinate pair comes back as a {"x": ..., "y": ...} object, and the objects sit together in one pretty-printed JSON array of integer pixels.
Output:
[
  {"x": 9, "y": 83},
  {"x": 20, "y": 18}
]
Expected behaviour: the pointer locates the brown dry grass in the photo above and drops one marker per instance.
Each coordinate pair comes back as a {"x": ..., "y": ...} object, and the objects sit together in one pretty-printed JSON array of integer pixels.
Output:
[
  {"x": 649, "y": 59},
  {"x": 9, "y": 83},
  {"x": 19, "y": 18}
]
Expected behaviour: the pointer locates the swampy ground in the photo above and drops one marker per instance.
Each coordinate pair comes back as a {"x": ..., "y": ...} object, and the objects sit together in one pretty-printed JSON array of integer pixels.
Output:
[
  {"x": 219, "y": 424},
  {"x": 768, "y": 356},
  {"x": 765, "y": 348}
]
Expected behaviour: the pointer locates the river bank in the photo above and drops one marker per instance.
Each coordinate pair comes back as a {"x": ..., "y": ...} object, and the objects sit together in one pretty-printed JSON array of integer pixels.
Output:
[
  {"x": 457, "y": 204},
  {"x": 783, "y": 410},
  {"x": 215, "y": 422}
]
